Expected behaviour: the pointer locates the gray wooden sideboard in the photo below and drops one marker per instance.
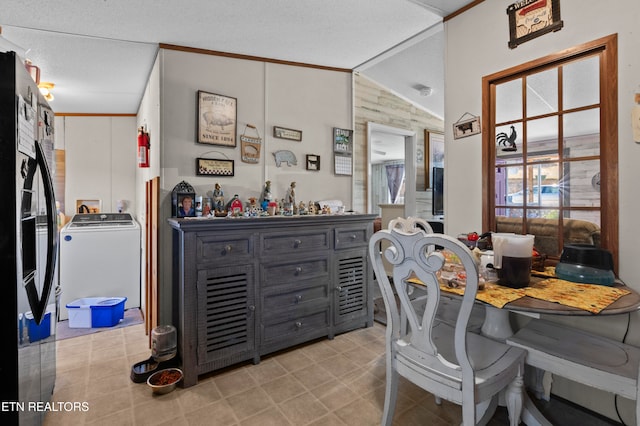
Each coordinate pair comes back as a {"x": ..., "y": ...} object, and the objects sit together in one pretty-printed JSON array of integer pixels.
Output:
[{"x": 246, "y": 287}]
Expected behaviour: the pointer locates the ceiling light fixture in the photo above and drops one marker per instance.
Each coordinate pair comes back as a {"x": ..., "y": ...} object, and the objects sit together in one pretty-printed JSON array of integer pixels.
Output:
[
  {"x": 426, "y": 91},
  {"x": 45, "y": 88}
]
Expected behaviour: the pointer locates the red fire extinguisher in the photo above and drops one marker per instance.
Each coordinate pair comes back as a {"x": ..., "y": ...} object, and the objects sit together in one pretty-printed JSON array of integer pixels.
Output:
[{"x": 143, "y": 148}]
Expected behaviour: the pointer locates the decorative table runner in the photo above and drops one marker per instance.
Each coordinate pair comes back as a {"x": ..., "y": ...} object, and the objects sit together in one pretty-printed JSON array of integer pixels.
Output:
[
  {"x": 589, "y": 297},
  {"x": 492, "y": 294}
]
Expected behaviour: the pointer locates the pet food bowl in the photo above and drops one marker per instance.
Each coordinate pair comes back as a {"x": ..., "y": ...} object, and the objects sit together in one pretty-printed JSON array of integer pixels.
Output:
[{"x": 164, "y": 381}]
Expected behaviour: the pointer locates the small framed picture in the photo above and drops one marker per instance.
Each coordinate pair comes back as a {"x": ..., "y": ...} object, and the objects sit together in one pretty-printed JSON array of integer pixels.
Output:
[
  {"x": 284, "y": 133},
  {"x": 88, "y": 206},
  {"x": 342, "y": 142},
  {"x": 464, "y": 128},
  {"x": 313, "y": 162},
  {"x": 214, "y": 167},
  {"x": 343, "y": 164},
  {"x": 531, "y": 19},
  {"x": 186, "y": 206},
  {"x": 217, "y": 119},
  {"x": 435, "y": 144}
]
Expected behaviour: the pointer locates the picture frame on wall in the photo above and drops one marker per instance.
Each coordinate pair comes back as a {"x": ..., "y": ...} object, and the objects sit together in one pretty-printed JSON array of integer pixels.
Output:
[
  {"x": 217, "y": 119},
  {"x": 342, "y": 142},
  {"x": 214, "y": 167},
  {"x": 531, "y": 19},
  {"x": 284, "y": 133},
  {"x": 422, "y": 162},
  {"x": 313, "y": 162},
  {"x": 466, "y": 126},
  {"x": 435, "y": 145},
  {"x": 88, "y": 206},
  {"x": 343, "y": 164}
]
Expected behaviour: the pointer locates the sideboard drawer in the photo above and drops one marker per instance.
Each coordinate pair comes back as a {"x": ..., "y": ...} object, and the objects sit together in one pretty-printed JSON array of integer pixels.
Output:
[
  {"x": 212, "y": 248},
  {"x": 284, "y": 299},
  {"x": 351, "y": 237},
  {"x": 288, "y": 327},
  {"x": 296, "y": 270},
  {"x": 295, "y": 241}
]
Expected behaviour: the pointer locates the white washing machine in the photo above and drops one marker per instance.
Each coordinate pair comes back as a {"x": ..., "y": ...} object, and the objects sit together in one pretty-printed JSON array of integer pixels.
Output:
[{"x": 100, "y": 257}]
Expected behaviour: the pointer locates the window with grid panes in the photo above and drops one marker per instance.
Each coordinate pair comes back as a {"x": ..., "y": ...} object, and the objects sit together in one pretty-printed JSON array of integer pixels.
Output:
[{"x": 550, "y": 145}]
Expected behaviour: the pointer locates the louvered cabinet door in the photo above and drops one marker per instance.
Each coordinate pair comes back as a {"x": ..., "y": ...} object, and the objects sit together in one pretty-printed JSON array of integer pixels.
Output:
[
  {"x": 226, "y": 316},
  {"x": 351, "y": 290}
]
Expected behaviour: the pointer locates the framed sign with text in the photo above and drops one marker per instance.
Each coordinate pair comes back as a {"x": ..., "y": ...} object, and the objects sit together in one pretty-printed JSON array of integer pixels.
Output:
[
  {"x": 214, "y": 167},
  {"x": 216, "y": 119},
  {"x": 529, "y": 19}
]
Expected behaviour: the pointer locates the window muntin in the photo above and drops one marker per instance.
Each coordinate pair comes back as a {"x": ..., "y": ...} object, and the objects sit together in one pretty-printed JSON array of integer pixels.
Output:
[{"x": 571, "y": 157}]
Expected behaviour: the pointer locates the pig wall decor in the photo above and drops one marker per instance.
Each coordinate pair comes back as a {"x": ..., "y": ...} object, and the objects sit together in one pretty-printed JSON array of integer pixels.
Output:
[{"x": 285, "y": 156}]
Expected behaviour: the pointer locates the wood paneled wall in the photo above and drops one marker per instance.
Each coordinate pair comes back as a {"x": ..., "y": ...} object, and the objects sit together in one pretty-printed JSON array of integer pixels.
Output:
[{"x": 373, "y": 103}]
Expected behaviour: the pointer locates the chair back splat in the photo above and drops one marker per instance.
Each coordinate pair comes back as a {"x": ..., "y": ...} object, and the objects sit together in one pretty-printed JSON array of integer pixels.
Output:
[{"x": 446, "y": 360}]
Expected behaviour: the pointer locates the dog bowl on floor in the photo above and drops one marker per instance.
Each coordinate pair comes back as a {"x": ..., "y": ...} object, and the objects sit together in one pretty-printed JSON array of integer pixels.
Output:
[{"x": 164, "y": 381}]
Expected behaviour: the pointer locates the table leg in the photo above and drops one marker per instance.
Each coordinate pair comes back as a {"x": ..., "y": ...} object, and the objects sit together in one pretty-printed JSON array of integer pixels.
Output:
[{"x": 496, "y": 324}]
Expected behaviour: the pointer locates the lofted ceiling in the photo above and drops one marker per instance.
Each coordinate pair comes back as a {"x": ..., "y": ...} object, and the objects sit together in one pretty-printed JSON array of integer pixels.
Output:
[{"x": 99, "y": 53}]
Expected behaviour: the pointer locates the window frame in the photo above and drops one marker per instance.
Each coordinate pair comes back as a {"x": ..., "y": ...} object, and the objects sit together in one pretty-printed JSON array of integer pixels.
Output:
[{"x": 607, "y": 50}]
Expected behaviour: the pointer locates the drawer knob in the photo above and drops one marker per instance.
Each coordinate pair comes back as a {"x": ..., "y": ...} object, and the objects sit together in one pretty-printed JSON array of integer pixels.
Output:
[
  {"x": 298, "y": 270},
  {"x": 227, "y": 248},
  {"x": 354, "y": 236},
  {"x": 298, "y": 324},
  {"x": 297, "y": 243},
  {"x": 339, "y": 288},
  {"x": 252, "y": 308},
  {"x": 298, "y": 298}
]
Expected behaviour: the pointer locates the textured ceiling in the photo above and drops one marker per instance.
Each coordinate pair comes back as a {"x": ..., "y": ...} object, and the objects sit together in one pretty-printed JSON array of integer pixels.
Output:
[{"x": 99, "y": 52}]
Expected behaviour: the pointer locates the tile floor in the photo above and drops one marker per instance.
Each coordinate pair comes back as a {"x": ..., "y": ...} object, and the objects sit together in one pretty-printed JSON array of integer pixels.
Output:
[{"x": 327, "y": 382}]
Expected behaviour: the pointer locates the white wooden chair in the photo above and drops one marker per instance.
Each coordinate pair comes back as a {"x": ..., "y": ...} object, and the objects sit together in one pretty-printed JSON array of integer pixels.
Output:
[
  {"x": 448, "y": 307},
  {"x": 448, "y": 361}
]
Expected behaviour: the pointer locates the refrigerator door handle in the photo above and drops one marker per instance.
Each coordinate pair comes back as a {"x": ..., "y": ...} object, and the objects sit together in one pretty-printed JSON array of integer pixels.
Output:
[{"x": 52, "y": 233}]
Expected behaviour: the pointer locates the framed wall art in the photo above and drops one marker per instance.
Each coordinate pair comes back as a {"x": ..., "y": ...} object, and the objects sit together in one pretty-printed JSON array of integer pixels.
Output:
[
  {"x": 529, "y": 19},
  {"x": 467, "y": 125},
  {"x": 343, "y": 164},
  {"x": 435, "y": 145},
  {"x": 313, "y": 162},
  {"x": 88, "y": 206},
  {"x": 284, "y": 133},
  {"x": 422, "y": 162},
  {"x": 342, "y": 140},
  {"x": 214, "y": 167},
  {"x": 217, "y": 119},
  {"x": 343, "y": 151}
]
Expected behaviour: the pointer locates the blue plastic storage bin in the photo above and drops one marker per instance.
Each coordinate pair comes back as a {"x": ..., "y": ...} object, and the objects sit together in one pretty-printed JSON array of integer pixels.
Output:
[
  {"x": 38, "y": 331},
  {"x": 91, "y": 312}
]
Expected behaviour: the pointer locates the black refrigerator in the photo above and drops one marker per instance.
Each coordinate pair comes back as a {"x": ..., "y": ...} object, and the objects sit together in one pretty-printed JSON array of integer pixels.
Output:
[{"x": 28, "y": 248}]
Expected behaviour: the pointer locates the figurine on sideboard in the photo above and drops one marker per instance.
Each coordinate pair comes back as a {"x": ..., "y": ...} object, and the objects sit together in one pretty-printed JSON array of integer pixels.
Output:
[
  {"x": 266, "y": 193},
  {"x": 290, "y": 199},
  {"x": 302, "y": 208},
  {"x": 218, "y": 200},
  {"x": 311, "y": 209}
]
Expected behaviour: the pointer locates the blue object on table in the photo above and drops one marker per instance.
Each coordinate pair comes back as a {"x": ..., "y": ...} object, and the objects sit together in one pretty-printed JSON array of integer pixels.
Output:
[{"x": 583, "y": 263}]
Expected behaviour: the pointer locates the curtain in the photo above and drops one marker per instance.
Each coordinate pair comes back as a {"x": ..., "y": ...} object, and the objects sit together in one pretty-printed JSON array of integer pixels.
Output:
[{"x": 395, "y": 174}]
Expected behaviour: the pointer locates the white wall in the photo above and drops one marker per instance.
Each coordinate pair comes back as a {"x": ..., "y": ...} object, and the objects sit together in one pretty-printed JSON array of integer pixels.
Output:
[
  {"x": 311, "y": 100},
  {"x": 100, "y": 158},
  {"x": 476, "y": 45},
  {"x": 307, "y": 99}
]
